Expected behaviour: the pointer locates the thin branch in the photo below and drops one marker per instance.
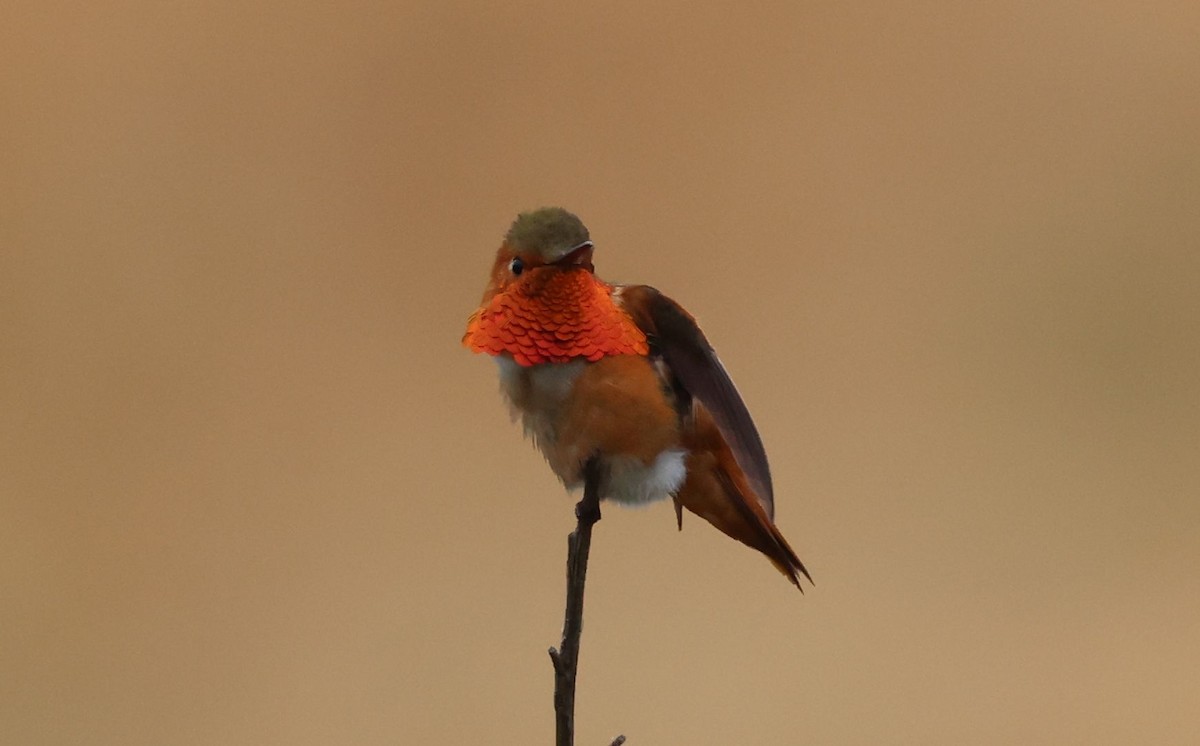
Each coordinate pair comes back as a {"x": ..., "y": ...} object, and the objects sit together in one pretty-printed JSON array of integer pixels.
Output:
[{"x": 566, "y": 657}]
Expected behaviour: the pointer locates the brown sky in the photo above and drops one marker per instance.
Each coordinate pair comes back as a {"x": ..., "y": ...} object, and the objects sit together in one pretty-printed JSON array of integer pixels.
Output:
[{"x": 252, "y": 491}]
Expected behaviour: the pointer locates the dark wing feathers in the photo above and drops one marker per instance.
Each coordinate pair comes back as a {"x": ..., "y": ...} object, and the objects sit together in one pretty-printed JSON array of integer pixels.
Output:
[{"x": 675, "y": 336}]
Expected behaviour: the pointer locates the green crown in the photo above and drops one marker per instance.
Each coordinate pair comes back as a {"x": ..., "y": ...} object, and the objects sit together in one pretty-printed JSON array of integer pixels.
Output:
[{"x": 549, "y": 232}]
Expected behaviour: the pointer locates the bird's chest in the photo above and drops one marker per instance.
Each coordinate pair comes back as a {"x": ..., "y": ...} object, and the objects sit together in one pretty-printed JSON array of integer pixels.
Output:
[
  {"x": 614, "y": 409},
  {"x": 538, "y": 394}
]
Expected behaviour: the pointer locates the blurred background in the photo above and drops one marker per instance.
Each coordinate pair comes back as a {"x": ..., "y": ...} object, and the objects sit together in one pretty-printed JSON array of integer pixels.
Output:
[{"x": 252, "y": 490}]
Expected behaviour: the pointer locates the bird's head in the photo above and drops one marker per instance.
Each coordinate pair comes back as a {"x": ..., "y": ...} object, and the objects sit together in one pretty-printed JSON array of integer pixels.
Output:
[
  {"x": 538, "y": 245},
  {"x": 543, "y": 302}
]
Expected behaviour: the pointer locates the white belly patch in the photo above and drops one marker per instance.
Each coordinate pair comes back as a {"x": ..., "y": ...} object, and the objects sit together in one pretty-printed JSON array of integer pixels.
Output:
[{"x": 633, "y": 482}]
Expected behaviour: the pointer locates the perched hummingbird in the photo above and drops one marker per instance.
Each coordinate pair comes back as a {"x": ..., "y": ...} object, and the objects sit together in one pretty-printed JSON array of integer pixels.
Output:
[{"x": 622, "y": 374}]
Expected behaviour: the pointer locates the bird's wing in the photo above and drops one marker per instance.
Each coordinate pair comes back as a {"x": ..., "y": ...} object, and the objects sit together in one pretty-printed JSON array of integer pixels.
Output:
[{"x": 675, "y": 337}]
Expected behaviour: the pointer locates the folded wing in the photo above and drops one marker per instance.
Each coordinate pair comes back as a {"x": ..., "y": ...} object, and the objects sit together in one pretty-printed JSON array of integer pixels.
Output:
[{"x": 690, "y": 359}]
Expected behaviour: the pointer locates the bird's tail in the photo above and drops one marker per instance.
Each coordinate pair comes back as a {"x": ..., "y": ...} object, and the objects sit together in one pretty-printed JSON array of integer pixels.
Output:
[{"x": 717, "y": 491}]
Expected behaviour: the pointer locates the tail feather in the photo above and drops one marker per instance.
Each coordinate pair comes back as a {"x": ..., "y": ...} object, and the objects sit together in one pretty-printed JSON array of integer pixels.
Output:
[
  {"x": 763, "y": 535},
  {"x": 717, "y": 490}
]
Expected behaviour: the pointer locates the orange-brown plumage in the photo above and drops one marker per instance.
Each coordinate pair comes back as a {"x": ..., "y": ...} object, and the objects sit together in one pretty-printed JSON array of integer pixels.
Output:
[
  {"x": 617, "y": 407},
  {"x": 622, "y": 375}
]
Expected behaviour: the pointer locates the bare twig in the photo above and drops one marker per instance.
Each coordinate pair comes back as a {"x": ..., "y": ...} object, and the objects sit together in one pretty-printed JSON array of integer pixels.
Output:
[{"x": 566, "y": 657}]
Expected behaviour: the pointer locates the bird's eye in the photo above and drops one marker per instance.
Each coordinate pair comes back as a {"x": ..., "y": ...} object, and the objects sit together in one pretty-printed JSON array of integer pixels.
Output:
[{"x": 516, "y": 266}]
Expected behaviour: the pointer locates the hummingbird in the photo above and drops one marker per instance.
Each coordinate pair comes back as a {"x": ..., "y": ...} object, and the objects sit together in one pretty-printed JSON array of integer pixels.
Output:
[{"x": 621, "y": 376}]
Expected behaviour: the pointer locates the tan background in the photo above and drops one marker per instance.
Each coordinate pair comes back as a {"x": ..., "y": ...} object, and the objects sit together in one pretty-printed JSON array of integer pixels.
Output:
[{"x": 253, "y": 492}]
